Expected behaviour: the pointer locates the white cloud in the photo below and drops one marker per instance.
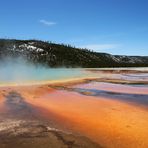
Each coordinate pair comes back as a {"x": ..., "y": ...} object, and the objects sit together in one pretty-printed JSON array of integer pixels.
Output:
[
  {"x": 100, "y": 47},
  {"x": 47, "y": 23}
]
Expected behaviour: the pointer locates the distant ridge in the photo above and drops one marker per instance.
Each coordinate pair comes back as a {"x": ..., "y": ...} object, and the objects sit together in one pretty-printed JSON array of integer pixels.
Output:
[{"x": 60, "y": 55}]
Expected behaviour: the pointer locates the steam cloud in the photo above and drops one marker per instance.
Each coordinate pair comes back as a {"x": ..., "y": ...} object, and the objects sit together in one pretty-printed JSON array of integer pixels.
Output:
[{"x": 20, "y": 71}]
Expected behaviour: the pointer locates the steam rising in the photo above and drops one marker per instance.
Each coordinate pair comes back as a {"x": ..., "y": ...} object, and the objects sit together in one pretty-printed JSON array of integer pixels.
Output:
[{"x": 20, "y": 71}]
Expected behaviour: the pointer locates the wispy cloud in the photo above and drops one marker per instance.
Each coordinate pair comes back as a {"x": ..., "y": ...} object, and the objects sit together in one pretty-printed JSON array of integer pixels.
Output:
[
  {"x": 100, "y": 47},
  {"x": 47, "y": 23}
]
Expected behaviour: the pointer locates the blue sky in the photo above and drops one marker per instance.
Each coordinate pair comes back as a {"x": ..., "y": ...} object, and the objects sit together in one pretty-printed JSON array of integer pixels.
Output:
[{"x": 113, "y": 26}]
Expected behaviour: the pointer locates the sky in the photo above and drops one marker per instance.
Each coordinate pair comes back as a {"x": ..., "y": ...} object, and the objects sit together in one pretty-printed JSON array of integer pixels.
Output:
[{"x": 112, "y": 26}]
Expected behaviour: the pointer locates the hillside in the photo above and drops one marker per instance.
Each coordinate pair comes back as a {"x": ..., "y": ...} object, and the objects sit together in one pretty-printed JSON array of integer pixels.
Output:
[{"x": 57, "y": 55}]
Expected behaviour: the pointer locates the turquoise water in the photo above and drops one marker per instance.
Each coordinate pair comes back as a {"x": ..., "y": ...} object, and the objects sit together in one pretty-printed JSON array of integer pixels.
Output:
[
  {"x": 21, "y": 72},
  {"x": 31, "y": 73}
]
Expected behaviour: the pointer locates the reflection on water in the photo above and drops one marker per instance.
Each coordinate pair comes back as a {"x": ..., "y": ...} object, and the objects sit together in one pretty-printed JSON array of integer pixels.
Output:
[{"x": 141, "y": 99}]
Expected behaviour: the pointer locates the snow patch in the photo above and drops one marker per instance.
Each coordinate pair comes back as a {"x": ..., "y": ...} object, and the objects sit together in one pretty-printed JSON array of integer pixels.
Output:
[{"x": 31, "y": 48}]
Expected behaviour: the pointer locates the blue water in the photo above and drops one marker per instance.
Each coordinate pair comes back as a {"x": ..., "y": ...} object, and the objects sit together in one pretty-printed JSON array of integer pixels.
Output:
[
  {"x": 19, "y": 71},
  {"x": 30, "y": 73}
]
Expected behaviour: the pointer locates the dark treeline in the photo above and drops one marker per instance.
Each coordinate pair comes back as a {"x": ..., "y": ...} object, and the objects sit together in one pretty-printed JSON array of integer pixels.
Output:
[{"x": 61, "y": 55}]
